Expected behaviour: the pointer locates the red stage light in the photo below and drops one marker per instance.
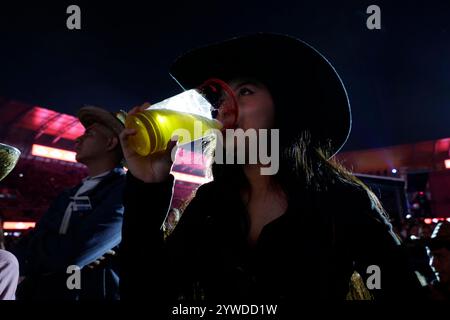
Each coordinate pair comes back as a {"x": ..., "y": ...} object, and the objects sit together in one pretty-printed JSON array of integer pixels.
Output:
[
  {"x": 50, "y": 122},
  {"x": 53, "y": 153},
  {"x": 428, "y": 220}
]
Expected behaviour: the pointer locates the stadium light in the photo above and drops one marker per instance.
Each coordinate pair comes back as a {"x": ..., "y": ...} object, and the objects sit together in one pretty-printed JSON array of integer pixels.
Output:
[
  {"x": 53, "y": 153},
  {"x": 190, "y": 178},
  {"x": 13, "y": 225},
  {"x": 447, "y": 164}
]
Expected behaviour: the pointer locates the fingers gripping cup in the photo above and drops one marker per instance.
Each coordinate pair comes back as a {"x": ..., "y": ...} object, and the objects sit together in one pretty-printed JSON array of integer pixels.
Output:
[{"x": 190, "y": 115}]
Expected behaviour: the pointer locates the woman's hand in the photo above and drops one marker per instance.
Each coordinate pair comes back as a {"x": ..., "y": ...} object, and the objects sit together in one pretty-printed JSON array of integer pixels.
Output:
[{"x": 152, "y": 168}]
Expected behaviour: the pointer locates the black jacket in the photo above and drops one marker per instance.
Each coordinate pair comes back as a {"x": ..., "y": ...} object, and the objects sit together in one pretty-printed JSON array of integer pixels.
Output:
[
  {"x": 309, "y": 253},
  {"x": 44, "y": 254}
]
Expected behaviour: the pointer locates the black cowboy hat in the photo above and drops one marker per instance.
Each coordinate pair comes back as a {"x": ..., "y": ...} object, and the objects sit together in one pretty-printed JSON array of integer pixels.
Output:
[{"x": 292, "y": 69}]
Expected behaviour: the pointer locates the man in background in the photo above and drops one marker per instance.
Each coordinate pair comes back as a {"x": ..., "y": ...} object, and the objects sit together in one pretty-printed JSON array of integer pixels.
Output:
[{"x": 71, "y": 253}]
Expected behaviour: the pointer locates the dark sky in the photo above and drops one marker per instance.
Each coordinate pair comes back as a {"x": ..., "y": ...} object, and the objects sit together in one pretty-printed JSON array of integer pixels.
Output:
[{"x": 398, "y": 78}]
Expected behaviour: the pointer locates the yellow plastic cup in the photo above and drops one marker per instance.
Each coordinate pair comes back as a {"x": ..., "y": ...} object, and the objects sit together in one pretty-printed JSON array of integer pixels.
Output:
[{"x": 156, "y": 127}]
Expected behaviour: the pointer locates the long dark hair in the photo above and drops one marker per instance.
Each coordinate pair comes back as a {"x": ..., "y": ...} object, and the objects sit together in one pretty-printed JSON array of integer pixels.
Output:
[{"x": 307, "y": 164}]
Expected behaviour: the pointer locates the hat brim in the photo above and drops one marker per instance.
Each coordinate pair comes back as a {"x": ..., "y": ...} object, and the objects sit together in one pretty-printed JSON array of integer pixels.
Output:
[
  {"x": 285, "y": 62},
  {"x": 90, "y": 114}
]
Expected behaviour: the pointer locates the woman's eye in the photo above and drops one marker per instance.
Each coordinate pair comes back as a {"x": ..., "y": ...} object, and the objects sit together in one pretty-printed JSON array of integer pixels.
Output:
[{"x": 245, "y": 91}]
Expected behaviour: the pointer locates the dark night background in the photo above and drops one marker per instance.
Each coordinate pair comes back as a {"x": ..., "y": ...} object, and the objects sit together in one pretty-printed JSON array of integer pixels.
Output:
[{"x": 397, "y": 78}]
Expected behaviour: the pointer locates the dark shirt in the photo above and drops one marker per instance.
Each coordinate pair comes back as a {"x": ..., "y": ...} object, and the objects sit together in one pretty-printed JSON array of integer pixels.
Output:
[{"x": 308, "y": 253}]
